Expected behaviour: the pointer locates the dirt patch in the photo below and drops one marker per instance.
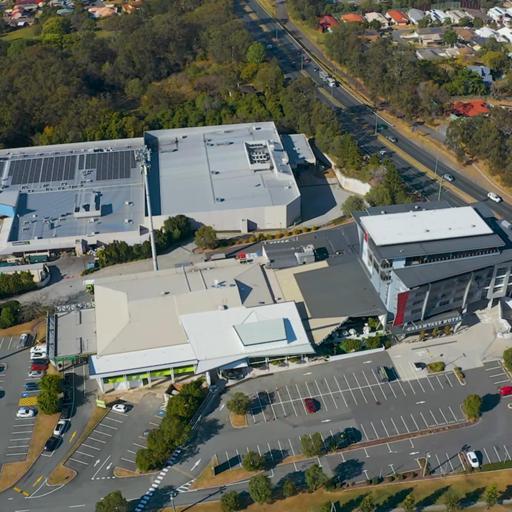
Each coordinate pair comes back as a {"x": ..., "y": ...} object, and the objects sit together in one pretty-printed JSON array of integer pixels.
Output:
[
  {"x": 13, "y": 471},
  {"x": 36, "y": 327},
  {"x": 207, "y": 479},
  {"x": 61, "y": 475},
  {"x": 238, "y": 420},
  {"x": 126, "y": 473}
]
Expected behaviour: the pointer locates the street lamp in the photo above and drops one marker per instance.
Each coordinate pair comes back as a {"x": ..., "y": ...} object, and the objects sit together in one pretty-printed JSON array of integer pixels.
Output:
[{"x": 173, "y": 495}]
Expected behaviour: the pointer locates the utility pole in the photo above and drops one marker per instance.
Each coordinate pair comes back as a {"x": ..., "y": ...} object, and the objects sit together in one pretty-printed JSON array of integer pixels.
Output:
[
  {"x": 376, "y": 125},
  {"x": 172, "y": 496},
  {"x": 144, "y": 157},
  {"x": 440, "y": 187}
]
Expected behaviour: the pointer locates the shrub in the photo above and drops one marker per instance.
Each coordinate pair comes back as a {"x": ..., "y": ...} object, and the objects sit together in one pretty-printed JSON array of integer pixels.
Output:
[
  {"x": 315, "y": 477},
  {"x": 352, "y": 204},
  {"x": 230, "y": 502},
  {"x": 239, "y": 403},
  {"x": 472, "y": 406},
  {"x": 312, "y": 445},
  {"x": 48, "y": 399},
  {"x": 253, "y": 461},
  {"x": 351, "y": 345},
  {"x": 458, "y": 371},
  {"x": 507, "y": 359},
  {"x": 113, "y": 502},
  {"x": 289, "y": 488},
  {"x": 260, "y": 489},
  {"x": 374, "y": 342},
  {"x": 9, "y": 314},
  {"x": 206, "y": 238},
  {"x": 436, "y": 366},
  {"x": 16, "y": 283}
]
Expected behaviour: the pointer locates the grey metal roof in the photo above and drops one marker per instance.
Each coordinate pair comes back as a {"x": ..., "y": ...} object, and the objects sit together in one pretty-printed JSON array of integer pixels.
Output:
[
  {"x": 422, "y": 274},
  {"x": 224, "y": 167},
  {"x": 341, "y": 289}
]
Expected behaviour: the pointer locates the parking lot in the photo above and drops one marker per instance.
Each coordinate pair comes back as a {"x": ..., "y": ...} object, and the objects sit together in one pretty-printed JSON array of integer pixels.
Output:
[
  {"x": 15, "y": 433},
  {"x": 115, "y": 440}
]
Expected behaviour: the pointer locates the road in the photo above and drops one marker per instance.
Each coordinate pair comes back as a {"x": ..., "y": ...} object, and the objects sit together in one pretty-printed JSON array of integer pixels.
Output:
[{"x": 357, "y": 117}]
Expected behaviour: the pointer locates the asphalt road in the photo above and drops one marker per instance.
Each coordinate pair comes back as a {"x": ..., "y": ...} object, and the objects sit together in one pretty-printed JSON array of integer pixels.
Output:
[{"x": 357, "y": 117}]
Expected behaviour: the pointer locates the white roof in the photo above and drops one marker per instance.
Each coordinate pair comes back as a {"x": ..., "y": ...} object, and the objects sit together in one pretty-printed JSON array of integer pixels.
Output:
[
  {"x": 225, "y": 167},
  {"x": 370, "y": 16},
  {"x": 222, "y": 337},
  {"x": 424, "y": 225}
]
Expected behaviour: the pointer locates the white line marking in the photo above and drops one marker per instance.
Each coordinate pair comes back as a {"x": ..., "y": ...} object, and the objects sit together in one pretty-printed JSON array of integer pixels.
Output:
[
  {"x": 375, "y": 430},
  {"x": 394, "y": 426},
  {"x": 385, "y": 429},
  {"x": 414, "y": 421},
  {"x": 79, "y": 461},
  {"x": 506, "y": 451},
  {"x": 405, "y": 425},
  {"x": 341, "y": 392},
  {"x": 364, "y": 432},
  {"x": 349, "y": 389},
  {"x": 487, "y": 455},
  {"x": 368, "y": 382},
  {"x": 86, "y": 454},
  {"x": 453, "y": 414},
  {"x": 290, "y": 396}
]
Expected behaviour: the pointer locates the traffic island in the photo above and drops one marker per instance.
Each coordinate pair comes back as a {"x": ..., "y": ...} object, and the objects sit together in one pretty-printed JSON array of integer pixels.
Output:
[
  {"x": 238, "y": 420},
  {"x": 61, "y": 475}
]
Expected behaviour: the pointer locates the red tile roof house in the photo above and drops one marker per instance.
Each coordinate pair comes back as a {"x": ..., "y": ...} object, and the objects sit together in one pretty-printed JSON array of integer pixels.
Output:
[
  {"x": 471, "y": 108},
  {"x": 327, "y": 22},
  {"x": 397, "y": 17},
  {"x": 352, "y": 17}
]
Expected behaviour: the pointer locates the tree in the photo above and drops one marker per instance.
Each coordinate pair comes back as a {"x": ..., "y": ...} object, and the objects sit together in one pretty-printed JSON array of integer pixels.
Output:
[
  {"x": 472, "y": 407},
  {"x": 230, "y": 502},
  {"x": 368, "y": 504},
  {"x": 375, "y": 25},
  {"x": 289, "y": 488},
  {"x": 239, "y": 403},
  {"x": 51, "y": 383},
  {"x": 253, "y": 461},
  {"x": 450, "y": 37},
  {"x": 7, "y": 318},
  {"x": 507, "y": 359},
  {"x": 452, "y": 501},
  {"x": 491, "y": 496},
  {"x": 312, "y": 445},
  {"x": 113, "y": 502},
  {"x": 48, "y": 402},
  {"x": 315, "y": 477},
  {"x": 206, "y": 238},
  {"x": 260, "y": 489},
  {"x": 352, "y": 204},
  {"x": 255, "y": 53},
  {"x": 409, "y": 504}
]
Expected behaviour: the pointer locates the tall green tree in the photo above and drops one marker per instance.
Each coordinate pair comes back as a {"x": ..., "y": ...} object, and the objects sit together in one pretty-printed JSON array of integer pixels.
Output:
[
  {"x": 472, "y": 407},
  {"x": 112, "y": 502},
  {"x": 491, "y": 496},
  {"x": 260, "y": 489},
  {"x": 315, "y": 477},
  {"x": 255, "y": 53},
  {"x": 206, "y": 238}
]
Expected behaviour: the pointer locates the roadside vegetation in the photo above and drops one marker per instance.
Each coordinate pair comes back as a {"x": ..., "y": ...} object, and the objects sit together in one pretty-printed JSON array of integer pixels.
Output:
[
  {"x": 175, "y": 428},
  {"x": 113, "y": 502},
  {"x": 48, "y": 399},
  {"x": 9, "y": 314},
  {"x": 14, "y": 284}
]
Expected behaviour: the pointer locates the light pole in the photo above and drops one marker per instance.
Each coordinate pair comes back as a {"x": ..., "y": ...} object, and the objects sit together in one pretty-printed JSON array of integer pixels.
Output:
[
  {"x": 440, "y": 187},
  {"x": 172, "y": 496}
]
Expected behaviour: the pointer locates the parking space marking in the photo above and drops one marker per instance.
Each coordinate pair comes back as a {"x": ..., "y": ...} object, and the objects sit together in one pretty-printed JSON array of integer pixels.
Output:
[
  {"x": 487, "y": 455},
  {"x": 330, "y": 392},
  {"x": 394, "y": 426},
  {"x": 419, "y": 384},
  {"x": 360, "y": 388},
  {"x": 128, "y": 460},
  {"x": 97, "y": 440},
  {"x": 79, "y": 461},
  {"x": 341, "y": 392},
  {"x": 444, "y": 417},
  {"x": 86, "y": 454},
  {"x": 506, "y": 451},
  {"x": 300, "y": 396},
  {"x": 405, "y": 424},
  {"x": 497, "y": 454},
  {"x": 439, "y": 381},
  {"x": 385, "y": 429},
  {"x": 91, "y": 447},
  {"x": 139, "y": 445},
  {"x": 271, "y": 405},
  {"x": 369, "y": 386},
  {"x": 281, "y": 402},
  {"x": 379, "y": 384},
  {"x": 453, "y": 414},
  {"x": 364, "y": 432},
  {"x": 108, "y": 426},
  {"x": 350, "y": 389},
  {"x": 102, "y": 433},
  {"x": 424, "y": 420},
  {"x": 375, "y": 430},
  {"x": 414, "y": 421},
  {"x": 434, "y": 418},
  {"x": 392, "y": 390},
  {"x": 112, "y": 419},
  {"x": 411, "y": 386},
  {"x": 290, "y": 396}
]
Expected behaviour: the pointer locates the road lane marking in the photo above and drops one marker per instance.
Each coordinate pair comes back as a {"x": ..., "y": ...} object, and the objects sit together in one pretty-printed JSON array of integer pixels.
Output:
[{"x": 38, "y": 479}]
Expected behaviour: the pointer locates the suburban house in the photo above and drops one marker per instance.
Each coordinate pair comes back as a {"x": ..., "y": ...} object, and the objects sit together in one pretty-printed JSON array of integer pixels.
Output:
[
  {"x": 415, "y": 15},
  {"x": 430, "y": 36},
  {"x": 327, "y": 22},
  {"x": 352, "y": 17},
  {"x": 397, "y": 17},
  {"x": 483, "y": 72},
  {"x": 471, "y": 108},
  {"x": 377, "y": 16}
]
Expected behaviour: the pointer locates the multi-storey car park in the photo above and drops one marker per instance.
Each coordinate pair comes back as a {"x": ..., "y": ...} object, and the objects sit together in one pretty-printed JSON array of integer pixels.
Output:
[{"x": 75, "y": 196}]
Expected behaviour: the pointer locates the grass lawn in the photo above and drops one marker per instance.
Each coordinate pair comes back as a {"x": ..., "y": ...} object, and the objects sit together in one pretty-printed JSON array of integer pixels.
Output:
[
  {"x": 388, "y": 496},
  {"x": 21, "y": 33},
  {"x": 207, "y": 479},
  {"x": 13, "y": 471}
]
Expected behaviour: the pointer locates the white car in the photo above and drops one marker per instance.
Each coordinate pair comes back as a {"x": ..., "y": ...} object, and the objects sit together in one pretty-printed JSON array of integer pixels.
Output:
[
  {"x": 60, "y": 428},
  {"x": 473, "y": 460},
  {"x": 41, "y": 347},
  {"x": 120, "y": 408},
  {"x": 448, "y": 177},
  {"x": 35, "y": 374},
  {"x": 24, "y": 339},
  {"x": 38, "y": 355},
  {"x": 494, "y": 197},
  {"x": 25, "y": 412},
  {"x": 383, "y": 152}
]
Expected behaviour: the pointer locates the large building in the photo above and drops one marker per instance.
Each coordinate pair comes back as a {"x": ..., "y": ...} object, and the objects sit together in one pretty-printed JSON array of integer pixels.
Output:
[
  {"x": 75, "y": 196},
  {"x": 232, "y": 177},
  {"x": 430, "y": 262},
  {"x": 187, "y": 320}
]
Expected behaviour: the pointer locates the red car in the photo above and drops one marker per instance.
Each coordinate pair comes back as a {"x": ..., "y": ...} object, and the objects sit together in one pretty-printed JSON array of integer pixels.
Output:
[
  {"x": 311, "y": 405},
  {"x": 506, "y": 390},
  {"x": 39, "y": 367}
]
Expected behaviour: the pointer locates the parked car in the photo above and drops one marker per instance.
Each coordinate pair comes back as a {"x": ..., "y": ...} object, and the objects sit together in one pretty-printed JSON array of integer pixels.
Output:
[
  {"x": 494, "y": 197},
  {"x": 25, "y": 412},
  {"x": 383, "y": 152},
  {"x": 311, "y": 405},
  {"x": 382, "y": 373},
  {"x": 448, "y": 177},
  {"x": 52, "y": 443},
  {"x": 38, "y": 355},
  {"x": 31, "y": 386},
  {"x": 392, "y": 139},
  {"x": 123, "y": 408},
  {"x": 418, "y": 366},
  {"x": 39, "y": 367},
  {"x": 473, "y": 460},
  {"x": 60, "y": 428},
  {"x": 35, "y": 374},
  {"x": 505, "y": 390},
  {"x": 39, "y": 348},
  {"x": 24, "y": 340}
]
